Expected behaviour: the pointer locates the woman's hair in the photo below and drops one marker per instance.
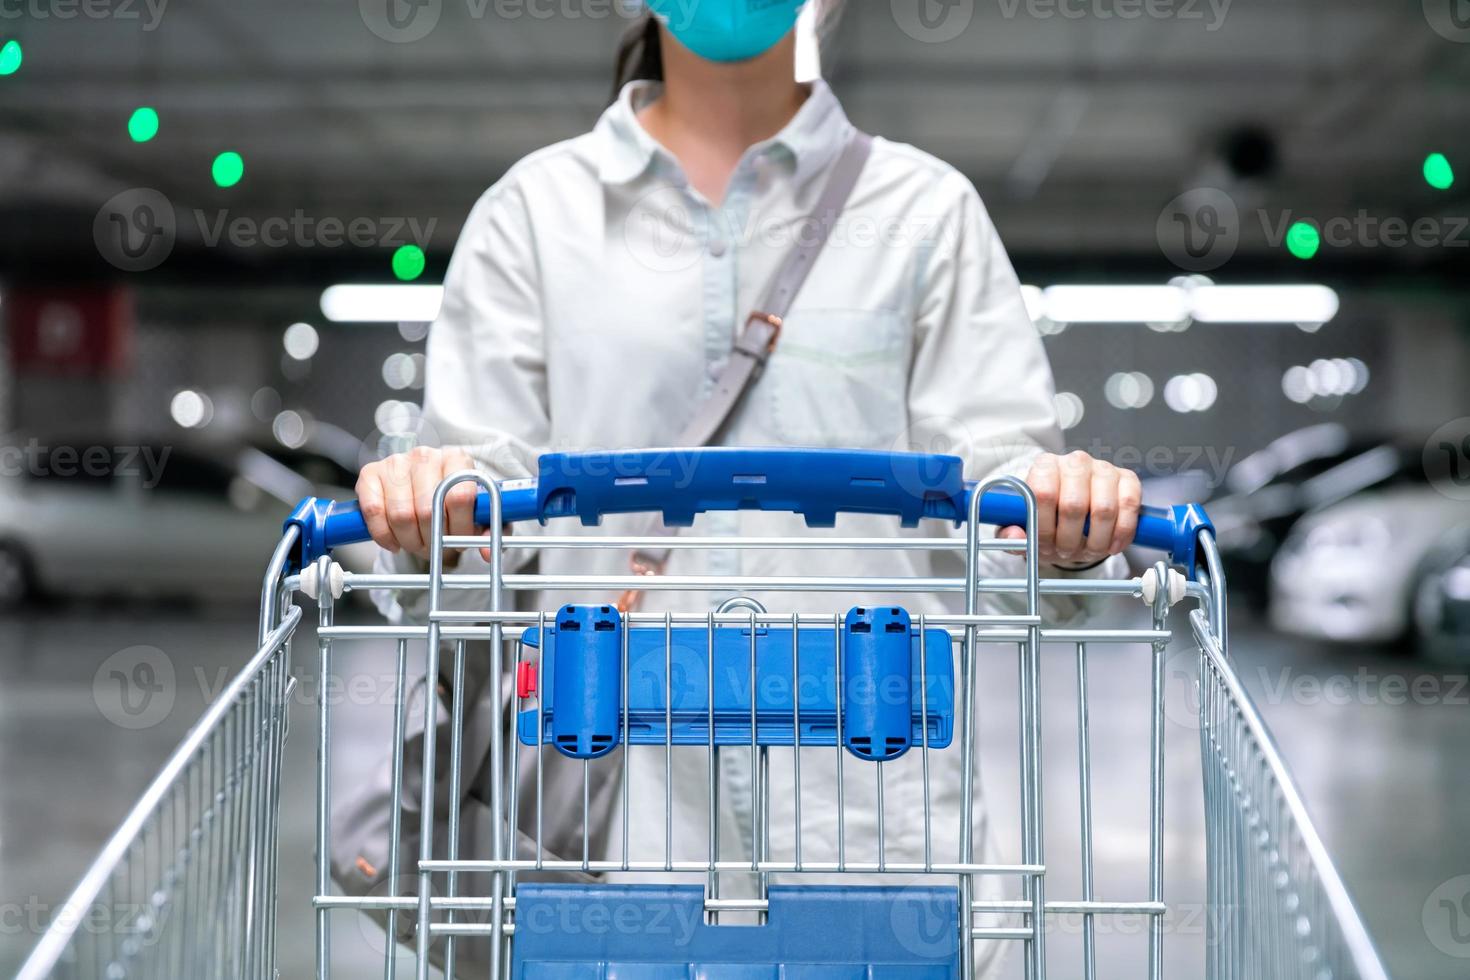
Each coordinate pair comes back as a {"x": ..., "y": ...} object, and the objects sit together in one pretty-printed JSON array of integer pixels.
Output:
[{"x": 640, "y": 53}]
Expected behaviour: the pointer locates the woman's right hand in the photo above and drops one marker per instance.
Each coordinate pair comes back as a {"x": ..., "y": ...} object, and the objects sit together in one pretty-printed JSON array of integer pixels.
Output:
[{"x": 397, "y": 498}]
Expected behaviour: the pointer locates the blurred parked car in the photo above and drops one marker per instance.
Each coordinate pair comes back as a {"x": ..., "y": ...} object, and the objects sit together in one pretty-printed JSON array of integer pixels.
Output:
[
  {"x": 1269, "y": 491},
  {"x": 1351, "y": 571},
  {"x": 1441, "y": 604},
  {"x": 152, "y": 520}
]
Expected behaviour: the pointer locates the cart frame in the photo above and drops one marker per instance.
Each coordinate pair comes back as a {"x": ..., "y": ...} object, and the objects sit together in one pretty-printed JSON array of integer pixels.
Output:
[{"x": 198, "y": 851}]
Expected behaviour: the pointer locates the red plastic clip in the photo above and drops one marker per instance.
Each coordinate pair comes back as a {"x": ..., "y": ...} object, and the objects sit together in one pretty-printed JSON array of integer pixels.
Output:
[{"x": 525, "y": 678}]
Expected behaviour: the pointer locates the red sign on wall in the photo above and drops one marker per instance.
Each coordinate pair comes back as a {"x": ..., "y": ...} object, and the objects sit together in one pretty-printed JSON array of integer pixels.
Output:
[{"x": 74, "y": 330}]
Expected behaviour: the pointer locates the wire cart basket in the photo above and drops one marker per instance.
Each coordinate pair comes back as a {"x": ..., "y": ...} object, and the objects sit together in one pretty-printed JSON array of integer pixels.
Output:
[{"x": 822, "y": 874}]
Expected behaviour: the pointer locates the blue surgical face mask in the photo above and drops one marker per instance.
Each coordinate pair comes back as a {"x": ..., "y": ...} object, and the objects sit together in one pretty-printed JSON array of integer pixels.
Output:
[{"x": 728, "y": 30}]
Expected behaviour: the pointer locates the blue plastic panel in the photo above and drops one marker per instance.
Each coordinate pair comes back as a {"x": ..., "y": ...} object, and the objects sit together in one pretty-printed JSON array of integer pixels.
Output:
[
  {"x": 816, "y": 483},
  {"x": 816, "y": 657},
  {"x": 877, "y": 663},
  {"x": 588, "y": 685},
  {"x": 813, "y": 932}
]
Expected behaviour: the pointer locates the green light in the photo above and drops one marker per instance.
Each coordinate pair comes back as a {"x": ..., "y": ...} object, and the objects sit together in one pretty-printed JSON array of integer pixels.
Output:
[
  {"x": 143, "y": 124},
  {"x": 1438, "y": 172},
  {"x": 228, "y": 169},
  {"x": 408, "y": 262},
  {"x": 10, "y": 58},
  {"x": 1303, "y": 240}
]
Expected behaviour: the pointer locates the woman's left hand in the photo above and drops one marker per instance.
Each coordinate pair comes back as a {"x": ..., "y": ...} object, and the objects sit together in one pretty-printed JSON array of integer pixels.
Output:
[{"x": 1072, "y": 490}]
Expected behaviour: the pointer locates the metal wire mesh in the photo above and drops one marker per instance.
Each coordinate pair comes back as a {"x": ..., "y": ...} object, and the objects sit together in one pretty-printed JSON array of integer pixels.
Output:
[
  {"x": 187, "y": 885},
  {"x": 1279, "y": 908}
]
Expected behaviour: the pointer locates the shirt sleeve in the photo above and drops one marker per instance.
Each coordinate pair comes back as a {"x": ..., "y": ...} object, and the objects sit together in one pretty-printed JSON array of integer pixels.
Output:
[
  {"x": 485, "y": 386},
  {"x": 980, "y": 385}
]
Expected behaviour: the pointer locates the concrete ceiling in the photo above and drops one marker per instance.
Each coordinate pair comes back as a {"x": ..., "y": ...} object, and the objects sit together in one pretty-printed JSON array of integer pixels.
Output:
[{"x": 1078, "y": 119}]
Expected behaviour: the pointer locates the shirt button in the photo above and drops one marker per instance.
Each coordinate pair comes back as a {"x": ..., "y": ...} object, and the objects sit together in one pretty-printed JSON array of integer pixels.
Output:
[
  {"x": 714, "y": 369},
  {"x": 717, "y": 247}
]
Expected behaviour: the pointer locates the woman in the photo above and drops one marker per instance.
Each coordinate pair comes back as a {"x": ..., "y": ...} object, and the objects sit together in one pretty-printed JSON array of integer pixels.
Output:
[{"x": 595, "y": 295}]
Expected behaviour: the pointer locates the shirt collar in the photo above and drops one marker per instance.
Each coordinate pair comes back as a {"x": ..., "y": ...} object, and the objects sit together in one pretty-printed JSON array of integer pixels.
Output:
[{"x": 813, "y": 137}]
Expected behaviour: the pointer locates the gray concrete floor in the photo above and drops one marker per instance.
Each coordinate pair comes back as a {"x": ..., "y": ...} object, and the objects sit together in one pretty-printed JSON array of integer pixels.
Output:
[{"x": 1381, "y": 770}]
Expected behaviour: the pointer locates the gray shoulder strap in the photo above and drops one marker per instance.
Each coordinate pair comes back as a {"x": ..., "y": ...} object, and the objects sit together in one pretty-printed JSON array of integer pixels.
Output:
[
  {"x": 762, "y": 328},
  {"x": 761, "y": 331}
]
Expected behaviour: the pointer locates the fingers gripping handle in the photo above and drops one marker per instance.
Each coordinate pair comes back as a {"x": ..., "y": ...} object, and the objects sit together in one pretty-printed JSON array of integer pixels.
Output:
[
  {"x": 1173, "y": 530},
  {"x": 679, "y": 484}
]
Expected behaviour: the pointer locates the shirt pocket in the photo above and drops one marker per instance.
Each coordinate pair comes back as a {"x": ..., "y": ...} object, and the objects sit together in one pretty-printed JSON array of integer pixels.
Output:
[{"x": 839, "y": 378}]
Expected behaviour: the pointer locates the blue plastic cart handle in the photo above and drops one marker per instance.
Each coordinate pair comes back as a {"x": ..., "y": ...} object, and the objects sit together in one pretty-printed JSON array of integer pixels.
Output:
[{"x": 680, "y": 483}]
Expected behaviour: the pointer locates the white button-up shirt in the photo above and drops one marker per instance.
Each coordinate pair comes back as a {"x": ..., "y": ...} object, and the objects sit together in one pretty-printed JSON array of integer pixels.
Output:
[{"x": 595, "y": 295}]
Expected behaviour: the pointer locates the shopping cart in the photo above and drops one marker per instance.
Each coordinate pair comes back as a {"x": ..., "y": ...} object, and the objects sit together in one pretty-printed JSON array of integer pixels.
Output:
[{"x": 863, "y": 695}]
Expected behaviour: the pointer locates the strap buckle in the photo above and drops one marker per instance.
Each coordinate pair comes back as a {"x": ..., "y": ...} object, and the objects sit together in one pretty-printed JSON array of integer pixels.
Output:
[{"x": 775, "y": 323}]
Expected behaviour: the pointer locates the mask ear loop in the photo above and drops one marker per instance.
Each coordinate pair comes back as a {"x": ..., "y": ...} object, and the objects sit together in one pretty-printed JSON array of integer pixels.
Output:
[{"x": 809, "y": 41}]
